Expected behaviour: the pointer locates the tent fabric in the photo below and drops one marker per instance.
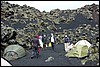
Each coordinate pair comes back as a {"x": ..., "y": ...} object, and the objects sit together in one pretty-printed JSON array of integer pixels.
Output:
[
  {"x": 83, "y": 42},
  {"x": 13, "y": 52},
  {"x": 80, "y": 50},
  {"x": 69, "y": 47}
]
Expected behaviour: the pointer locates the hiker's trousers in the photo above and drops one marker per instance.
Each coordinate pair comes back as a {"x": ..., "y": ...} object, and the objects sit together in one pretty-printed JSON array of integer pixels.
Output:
[
  {"x": 52, "y": 45},
  {"x": 66, "y": 45}
]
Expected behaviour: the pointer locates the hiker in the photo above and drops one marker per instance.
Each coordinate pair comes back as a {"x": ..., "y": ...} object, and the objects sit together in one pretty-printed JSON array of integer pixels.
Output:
[
  {"x": 52, "y": 39},
  {"x": 38, "y": 44},
  {"x": 66, "y": 42},
  {"x": 35, "y": 44},
  {"x": 48, "y": 40},
  {"x": 44, "y": 41}
]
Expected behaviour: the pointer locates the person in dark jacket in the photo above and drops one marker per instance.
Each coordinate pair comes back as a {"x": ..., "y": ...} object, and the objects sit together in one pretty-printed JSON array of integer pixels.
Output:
[
  {"x": 35, "y": 45},
  {"x": 44, "y": 41}
]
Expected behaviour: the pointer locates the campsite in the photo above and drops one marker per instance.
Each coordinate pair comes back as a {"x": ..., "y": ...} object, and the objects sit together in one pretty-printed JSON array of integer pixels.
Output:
[
  {"x": 21, "y": 24},
  {"x": 58, "y": 55}
]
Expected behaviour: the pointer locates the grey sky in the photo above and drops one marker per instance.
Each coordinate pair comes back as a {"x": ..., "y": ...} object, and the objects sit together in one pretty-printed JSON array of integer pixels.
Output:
[{"x": 49, "y": 5}]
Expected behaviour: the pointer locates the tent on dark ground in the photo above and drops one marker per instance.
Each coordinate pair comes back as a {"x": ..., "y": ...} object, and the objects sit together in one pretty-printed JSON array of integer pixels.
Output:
[
  {"x": 12, "y": 52},
  {"x": 80, "y": 50}
]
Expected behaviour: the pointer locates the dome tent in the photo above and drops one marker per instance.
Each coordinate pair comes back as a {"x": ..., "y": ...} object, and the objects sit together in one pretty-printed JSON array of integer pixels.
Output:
[
  {"x": 83, "y": 42},
  {"x": 80, "y": 50},
  {"x": 12, "y": 52}
]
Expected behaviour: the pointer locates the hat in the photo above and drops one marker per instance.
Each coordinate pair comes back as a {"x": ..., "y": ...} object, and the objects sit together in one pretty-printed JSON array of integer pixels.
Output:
[{"x": 65, "y": 35}]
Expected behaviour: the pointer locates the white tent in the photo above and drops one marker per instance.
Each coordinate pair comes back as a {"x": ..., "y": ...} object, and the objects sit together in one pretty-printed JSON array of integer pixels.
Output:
[
  {"x": 80, "y": 50},
  {"x": 83, "y": 42}
]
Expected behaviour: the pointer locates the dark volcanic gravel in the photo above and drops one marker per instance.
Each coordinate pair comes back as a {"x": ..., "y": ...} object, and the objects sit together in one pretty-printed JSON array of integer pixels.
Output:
[{"x": 58, "y": 54}]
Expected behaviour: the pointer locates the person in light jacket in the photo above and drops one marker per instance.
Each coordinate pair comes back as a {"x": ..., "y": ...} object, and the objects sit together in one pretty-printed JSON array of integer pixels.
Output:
[{"x": 52, "y": 40}]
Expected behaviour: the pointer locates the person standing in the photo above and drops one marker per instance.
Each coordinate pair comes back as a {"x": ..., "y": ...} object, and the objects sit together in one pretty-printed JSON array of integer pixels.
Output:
[
  {"x": 52, "y": 40},
  {"x": 35, "y": 44},
  {"x": 66, "y": 42},
  {"x": 44, "y": 41}
]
